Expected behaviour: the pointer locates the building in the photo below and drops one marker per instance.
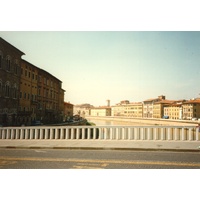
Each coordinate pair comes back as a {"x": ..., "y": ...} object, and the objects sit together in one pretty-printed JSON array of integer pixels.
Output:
[
  {"x": 10, "y": 72},
  {"x": 125, "y": 108},
  {"x": 101, "y": 111},
  {"x": 68, "y": 110},
  {"x": 50, "y": 98},
  {"x": 158, "y": 108},
  {"x": 174, "y": 110},
  {"x": 191, "y": 109},
  {"x": 83, "y": 109},
  {"x": 134, "y": 109},
  {"x": 28, "y": 100},
  {"x": 148, "y": 106},
  {"x": 119, "y": 109},
  {"x": 27, "y": 93}
]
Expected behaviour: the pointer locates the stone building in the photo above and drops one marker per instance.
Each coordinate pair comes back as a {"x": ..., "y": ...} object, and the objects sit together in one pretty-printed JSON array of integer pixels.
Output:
[
  {"x": 127, "y": 109},
  {"x": 68, "y": 110},
  {"x": 83, "y": 109},
  {"x": 50, "y": 98},
  {"x": 28, "y": 100},
  {"x": 191, "y": 109},
  {"x": 27, "y": 93},
  {"x": 158, "y": 108},
  {"x": 101, "y": 111},
  {"x": 10, "y": 71},
  {"x": 148, "y": 106}
]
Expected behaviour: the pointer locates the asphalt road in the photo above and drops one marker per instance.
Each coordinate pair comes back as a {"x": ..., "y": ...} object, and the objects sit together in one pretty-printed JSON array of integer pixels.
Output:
[{"x": 96, "y": 159}]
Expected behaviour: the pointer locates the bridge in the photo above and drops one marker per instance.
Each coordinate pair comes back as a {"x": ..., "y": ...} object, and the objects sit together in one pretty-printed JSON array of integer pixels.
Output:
[{"x": 119, "y": 137}]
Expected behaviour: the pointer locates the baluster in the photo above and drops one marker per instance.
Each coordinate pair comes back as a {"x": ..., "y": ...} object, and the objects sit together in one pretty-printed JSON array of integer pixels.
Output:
[
  {"x": 162, "y": 134},
  {"x": 197, "y": 134},
  {"x": 88, "y": 133},
  {"x": 123, "y": 134},
  {"x": 31, "y": 133},
  {"x": 111, "y": 133},
  {"x": 168, "y": 133},
  {"x": 182, "y": 134},
  {"x": 56, "y": 133},
  {"x": 148, "y": 133},
  {"x": 142, "y": 133},
  {"x": 61, "y": 133},
  {"x": 155, "y": 133},
  {"x": 117, "y": 133},
  {"x": 83, "y": 133},
  {"x": 77, "y": 133},
  {"x": 136, "y": 134},
  {"x": 94, "y": 133},
  {"x": 72, "y": 133},
  {"x": 67, "y": 133}
]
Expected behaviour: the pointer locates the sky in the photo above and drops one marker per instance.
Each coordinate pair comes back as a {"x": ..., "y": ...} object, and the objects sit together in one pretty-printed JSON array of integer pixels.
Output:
[{"x": 115, "y": 65}]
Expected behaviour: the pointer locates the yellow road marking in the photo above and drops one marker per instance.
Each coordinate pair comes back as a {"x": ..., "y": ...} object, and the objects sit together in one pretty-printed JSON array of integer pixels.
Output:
[
  {"x": 136, "y": 162},
  {"x": 7, "y": 162},
  {"x": 90, "y": 165}
]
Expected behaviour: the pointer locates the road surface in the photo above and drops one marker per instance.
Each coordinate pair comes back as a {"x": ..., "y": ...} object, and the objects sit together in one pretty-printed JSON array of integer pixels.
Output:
[{"x": 96, "y": 159}]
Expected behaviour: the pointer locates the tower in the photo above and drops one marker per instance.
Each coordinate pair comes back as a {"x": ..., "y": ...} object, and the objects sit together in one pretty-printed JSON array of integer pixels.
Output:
[{"x": 108, "y": 103}]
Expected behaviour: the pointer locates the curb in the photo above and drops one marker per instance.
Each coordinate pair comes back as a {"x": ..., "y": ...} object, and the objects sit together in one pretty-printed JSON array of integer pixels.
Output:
[{"x": 101, "y": 148}]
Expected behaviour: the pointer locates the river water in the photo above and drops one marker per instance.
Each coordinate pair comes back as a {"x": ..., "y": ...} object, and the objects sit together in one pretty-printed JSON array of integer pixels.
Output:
[
  {"x": 138, "y": 122},
  {"x": 101, "y": 122}
]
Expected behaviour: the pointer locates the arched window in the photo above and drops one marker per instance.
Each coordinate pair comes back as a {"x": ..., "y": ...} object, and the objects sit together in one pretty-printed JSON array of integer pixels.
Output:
[
  {"x": 1, "y": 59},
  {"x": 0, "y": 88},
  {"x": 16, "y": 66},
  {"x": 15, "y": 91},
  {"x": 7, "y": 89},
  {"x": 8, "y": 63}
]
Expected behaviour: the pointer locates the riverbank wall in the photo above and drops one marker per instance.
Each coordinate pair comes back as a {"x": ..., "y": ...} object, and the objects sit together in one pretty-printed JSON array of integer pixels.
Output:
[{"x": 145, "y": 121}]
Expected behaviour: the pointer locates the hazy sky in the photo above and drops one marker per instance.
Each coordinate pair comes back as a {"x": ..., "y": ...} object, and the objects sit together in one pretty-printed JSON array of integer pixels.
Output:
[{"x": 135, "y": 66}]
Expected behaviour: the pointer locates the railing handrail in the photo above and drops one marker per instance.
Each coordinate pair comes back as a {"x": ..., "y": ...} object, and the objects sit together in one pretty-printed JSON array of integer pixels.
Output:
[{"x": 99, "y": 126}]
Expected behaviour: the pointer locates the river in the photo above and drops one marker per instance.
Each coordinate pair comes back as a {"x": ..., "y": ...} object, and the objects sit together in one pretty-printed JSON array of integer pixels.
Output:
[
  {"x": 137, "y": 122},
  {"x": 102, "y": 122}
]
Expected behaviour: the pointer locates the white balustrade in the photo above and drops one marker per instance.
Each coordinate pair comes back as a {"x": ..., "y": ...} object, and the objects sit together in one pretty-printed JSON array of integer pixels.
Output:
[{"x": 134, "y": 133}]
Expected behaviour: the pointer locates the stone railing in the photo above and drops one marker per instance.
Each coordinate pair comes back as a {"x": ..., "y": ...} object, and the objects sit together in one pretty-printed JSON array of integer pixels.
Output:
[{"x": 138, "y": 133}]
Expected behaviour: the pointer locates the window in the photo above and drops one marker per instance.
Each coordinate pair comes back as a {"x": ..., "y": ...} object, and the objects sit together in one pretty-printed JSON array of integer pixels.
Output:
[
  {"x": 16, "y": 66},
  {"x": 0, "y": 88},
  {"x": 7, "y": 89},
  {"x": 8, "y": 63},
  {"x": 15, "y": 91},
  {"x": 1, "y": 59}
]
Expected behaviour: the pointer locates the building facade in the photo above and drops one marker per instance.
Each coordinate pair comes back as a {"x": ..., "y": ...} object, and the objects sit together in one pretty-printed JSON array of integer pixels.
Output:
[
  {"x": 125, "y": 108},
  {"x": 191, "y": 109},
  {"x": 101, "y": 111},
  {"x": 68, "y": 111},
  {"x": 50, "y": 98},
  {"x": 148, "y": 106},
  {"x": 83, "y": 110},
  {"x": 158, "y": 108},
  {"x": 27, "y": 93},
  {"x": 10, "y": 73},
  {"x": 28, "y": 100}
]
